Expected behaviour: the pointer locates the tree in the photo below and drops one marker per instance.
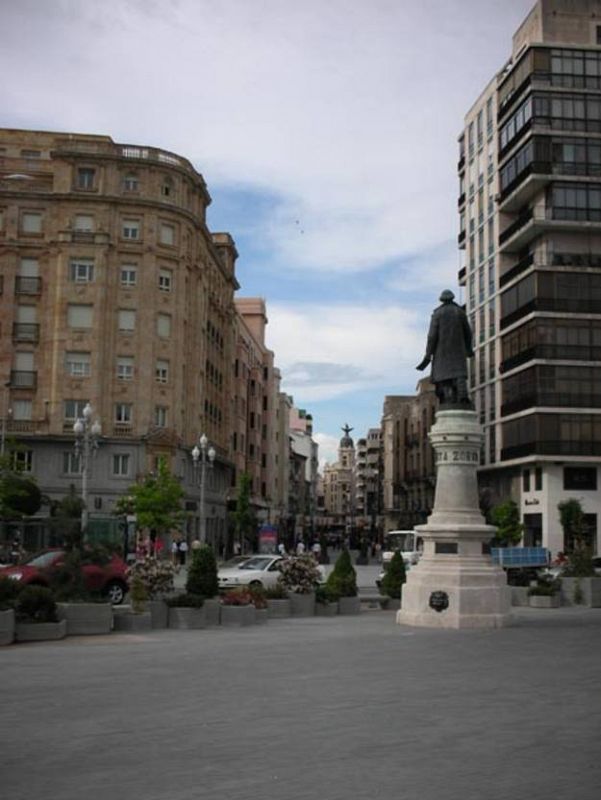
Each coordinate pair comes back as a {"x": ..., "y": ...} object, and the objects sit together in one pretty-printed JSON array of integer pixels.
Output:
[
  {"x": 202, "y": 573},
  {"x": 342, "y": 581},
  {"x": 571, "y": 517},
  {"x": 20, "y": 495},
  {"x": 157, "y": 501},
  {"x": 244, "y": 517},
  {"x": 506, "y": 517},
  {"x": 394, "y": 577}
]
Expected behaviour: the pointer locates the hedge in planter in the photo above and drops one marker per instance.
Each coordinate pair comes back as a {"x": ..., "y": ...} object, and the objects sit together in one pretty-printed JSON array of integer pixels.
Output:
[
  {"x": 36, "y": 615},
  {"x": 326, "y": 601},
  {"x": 394, "y": 578},
  {"x": 9, "y": 591},
  {"x": 343, "y": 581},
  {"x": 202, "y": 573},
  {"x": 186, "y": 611},
  {"x": 278, "y": 602}
]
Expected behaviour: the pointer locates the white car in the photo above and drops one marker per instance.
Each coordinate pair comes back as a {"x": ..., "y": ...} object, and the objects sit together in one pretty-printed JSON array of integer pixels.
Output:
[{"x": 259, "y": 571}]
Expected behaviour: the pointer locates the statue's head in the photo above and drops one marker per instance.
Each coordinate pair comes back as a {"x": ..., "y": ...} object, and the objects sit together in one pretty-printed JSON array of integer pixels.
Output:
[{"x": 446, "y": 296}]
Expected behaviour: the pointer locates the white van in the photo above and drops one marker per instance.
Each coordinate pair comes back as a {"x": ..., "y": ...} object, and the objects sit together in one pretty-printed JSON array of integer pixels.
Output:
[{"x": 408, "y": 543}]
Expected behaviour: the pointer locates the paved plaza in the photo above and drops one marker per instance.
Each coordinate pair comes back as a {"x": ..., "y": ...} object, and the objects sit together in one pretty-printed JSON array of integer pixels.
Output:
[{"x": 342, "y": 708}]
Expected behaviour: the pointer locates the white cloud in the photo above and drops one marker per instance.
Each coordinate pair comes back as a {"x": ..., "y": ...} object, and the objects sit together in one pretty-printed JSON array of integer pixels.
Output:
[{"x": 328, "y": 448}]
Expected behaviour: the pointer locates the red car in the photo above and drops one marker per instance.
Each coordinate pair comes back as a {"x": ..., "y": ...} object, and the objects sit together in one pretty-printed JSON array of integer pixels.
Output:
[{"x": 109, "y": 579}]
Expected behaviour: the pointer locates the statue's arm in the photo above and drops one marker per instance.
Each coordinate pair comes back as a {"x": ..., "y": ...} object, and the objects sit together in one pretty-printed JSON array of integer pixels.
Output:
[{"x": 431, "y": 344}]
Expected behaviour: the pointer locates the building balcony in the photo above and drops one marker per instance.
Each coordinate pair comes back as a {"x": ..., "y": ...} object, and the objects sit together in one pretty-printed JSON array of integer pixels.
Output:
[
  {"x": 28, "y": 285},
  {"x": 516, "y": 270},
  {"x": 26, "y": 332},
  {"x": 462, "y": 276},
  {"x": 562, "y": 448},
  {"x": 461, "y": 164},
  {"x": 22, "y": 379},
  {"x": 461, "y": 200},
  {"x": 553, "y": 352},
  {"x": 562, "y": 304},
  {"x": 461, "y": 240},
  {"x": 551, "y": 400},
  {"x": 123, "y": 430},
  {"x": 530, "y": 182}
]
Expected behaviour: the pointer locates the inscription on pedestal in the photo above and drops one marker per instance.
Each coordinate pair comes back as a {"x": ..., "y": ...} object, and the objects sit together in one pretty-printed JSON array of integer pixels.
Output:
[
  {"x": 458, "y": 456},
  {"x": 439, "y": 601},
  {"x": 446, "y": 547}
]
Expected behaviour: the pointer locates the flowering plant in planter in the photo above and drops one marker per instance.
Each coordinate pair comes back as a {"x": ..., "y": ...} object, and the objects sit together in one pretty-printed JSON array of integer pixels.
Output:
[
  {"x": 300, "y": 575},
  {"x": 36, "y": 604},
  {"x": 277, "y": 592},
  {"x": 545, "y": 586},
  {"x": 156, "y": 576},
  {"x": 237, "y": 597},
  {"x": 259, "y": 599}
]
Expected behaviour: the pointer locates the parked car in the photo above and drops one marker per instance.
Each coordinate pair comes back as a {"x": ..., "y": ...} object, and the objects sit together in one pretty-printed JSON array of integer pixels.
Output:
[
  {"x": 260, "y": 571},
  {"x": 109, "y": 579}
]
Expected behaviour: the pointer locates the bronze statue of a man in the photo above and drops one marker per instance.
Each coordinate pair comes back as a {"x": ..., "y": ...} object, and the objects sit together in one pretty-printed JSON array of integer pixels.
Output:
[{"x": 449, "y": 346}]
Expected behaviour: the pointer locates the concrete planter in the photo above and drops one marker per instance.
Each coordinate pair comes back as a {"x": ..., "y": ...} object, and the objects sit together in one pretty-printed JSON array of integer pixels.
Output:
[
  {"x": 390, "y": 603},
  {"x": 326, "y": 609},
  {"x": 40, "y": 631},
  {"x": 7, "y": 626},
  {"x": 302, "y": 605},
  {"x": 261, "y": 616},
  {"x": 237, "y": 616},
  {"x": 159, "y": 614},
  {"x": 590, "y": 589},
  {"x": 212, "y": 609},
  {"x": 279, "y": 609},
  {"x": 185, "y": 619},
  {"x": 544, "y": 600},
  {"x": 134, "y": 623},
  {"x": 349, "y": 605},
  {"x": 519, "y": 596},
  {"x": 86, "y": 619}
]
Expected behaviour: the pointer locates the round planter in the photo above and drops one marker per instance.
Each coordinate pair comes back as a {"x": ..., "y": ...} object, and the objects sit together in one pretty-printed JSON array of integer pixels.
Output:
[
  {"x": 326, "y": 609},
  {"x": 261, "y": 616},
  {"x": 237, "y": 616},
  {"x": 212, "y": 609},
  {"x": 349, "y": 605},
  {"x": 278, "y": 609},
  {"x": 7, "y": 626},
  {"x": 544, "y": 600},
  {"x": 185, "y": 619},
  {"x": 86, "y": 619},
  {"x": 159, "y": 613},
  {"x": 128, "y": 621},
  {"x": 40, "y": 631},
  {"x": 302, "y": 605}
]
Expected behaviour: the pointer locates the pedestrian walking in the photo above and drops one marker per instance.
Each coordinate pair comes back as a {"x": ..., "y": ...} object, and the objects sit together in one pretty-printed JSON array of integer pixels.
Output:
[{"x": 183, "y": 552}]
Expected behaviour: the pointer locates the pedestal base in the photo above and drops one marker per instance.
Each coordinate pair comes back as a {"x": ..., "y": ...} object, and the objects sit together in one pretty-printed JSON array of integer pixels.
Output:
[{"x": 455, "y": 592}]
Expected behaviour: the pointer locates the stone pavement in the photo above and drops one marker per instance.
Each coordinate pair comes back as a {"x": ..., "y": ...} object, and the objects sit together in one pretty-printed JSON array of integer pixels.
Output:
[{"x": 335, "y": 709}]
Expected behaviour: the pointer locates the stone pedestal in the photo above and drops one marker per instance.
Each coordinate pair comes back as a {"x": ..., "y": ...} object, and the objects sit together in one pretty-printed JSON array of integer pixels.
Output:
[{"x": 455, "y": 585}]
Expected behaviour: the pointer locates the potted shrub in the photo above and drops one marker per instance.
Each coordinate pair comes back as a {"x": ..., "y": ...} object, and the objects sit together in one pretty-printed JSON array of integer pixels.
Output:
[
  {"x": 278, "y": 602},
  {"x": 9, "y": 590},
  {"x": 259, "y": 601},
  {"x": 343, "y": 581},
  {"x": 579, "y": 583},
  {"x": 237, "y": 608},
  {"x": 545, "y": 592},
  {"x": 186, "y": 611},
  {"x": 202, "y": 580},
  {"x": 326, "y": 601},
  {"x": 138, "y": 618},
  {"x": 86, "y": 613},
  {"x": 391, "y": 586},
  {"x": 36, "y": 616},
  {"x": 300, "y": 576}
]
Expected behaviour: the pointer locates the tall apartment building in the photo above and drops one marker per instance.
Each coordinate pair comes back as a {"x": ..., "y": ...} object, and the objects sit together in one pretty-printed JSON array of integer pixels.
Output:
[
  {"x": 114, "y": 292},
  {"x": 339, "y": 487},
  {"x": 368, "y": 481},
  {"x": 304, "y": 449},
  {"x": 530, "y": 223},
  {"x": 408, "y": 470}
]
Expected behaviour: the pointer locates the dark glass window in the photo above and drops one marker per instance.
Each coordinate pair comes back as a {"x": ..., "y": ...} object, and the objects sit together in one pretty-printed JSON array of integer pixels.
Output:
[
  {"x": 526, "y": 480},
  {"x": 580, "y": 478},
  {"x": 538, "y": 479}
]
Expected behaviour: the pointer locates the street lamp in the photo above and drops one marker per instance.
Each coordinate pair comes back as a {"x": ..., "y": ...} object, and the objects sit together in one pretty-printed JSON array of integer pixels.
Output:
[
  {"x": 86, "y": 443},
  {"x": 200, "y": 456}
]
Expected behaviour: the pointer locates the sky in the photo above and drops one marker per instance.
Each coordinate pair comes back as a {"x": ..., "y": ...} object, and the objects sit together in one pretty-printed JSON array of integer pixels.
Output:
[{"x": 326, "y": 131}]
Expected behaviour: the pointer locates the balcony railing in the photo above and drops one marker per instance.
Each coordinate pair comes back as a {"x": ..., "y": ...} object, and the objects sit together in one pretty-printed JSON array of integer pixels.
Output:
[
  {"x": 552, "y": 448},
  {"x": 461, "y": 199},
  {"x": 122, "y": 429},
  {"x": 522, "y": 220},
  {"x": 573, "y": 305},
  {"x": 23, "y": 379},
  {"x": 28, "y": 285},
  {"x": 517, "y": 269},
  {"x": 553, "y": 399},
  {"x": 26, "y": 332},
  {"x": 461, "y": 239},
  {"x": 556, "y": 352},
  {"x": 462, "y": 276}
]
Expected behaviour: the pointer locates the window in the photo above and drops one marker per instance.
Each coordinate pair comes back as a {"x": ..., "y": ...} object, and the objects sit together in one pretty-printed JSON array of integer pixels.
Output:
[
  {"x": 167, "y": 234},
  {"x": 81, "y": 270},
  {"x": 22, "y": 409},
  {"x": 125, "y": 368},
  {"x": 580, "y": 478},
  {"x": 131, "y": 183},
  {"x": 23, "y": 460},
  {"x": 165, "y": 276},
  {"x": 526, "y": 480},
  {"x": 83, "y": 223},
  {"x": 129, "y": 275},
  {"x": 31, "y": 154},
  {"x": 74, "y": 409},
  {"x": 123, "y": 413},
  {"x": 85, "y": 178},
  {"x": 164, "y": 326},
  {"x": 131, "y": 229},
  {"x": 127, "y": 320},
  {"x": 31, "y": 222},
  {"x": 78, "y": 365},
  {"x": 160, "y": 416},
  {"x": 121, "y": 464},
  {"x": 162, "y": 371},
  {"x": 71, "y": 463},
  {"x": 538, "y": 479},
  {"x": 79, "y": 316}
]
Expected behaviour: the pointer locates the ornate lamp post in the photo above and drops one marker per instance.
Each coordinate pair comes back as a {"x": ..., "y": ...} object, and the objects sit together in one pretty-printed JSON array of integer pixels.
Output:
[
  {"x": 87, "y": 434},
  {"x": 201, "y": 456}
]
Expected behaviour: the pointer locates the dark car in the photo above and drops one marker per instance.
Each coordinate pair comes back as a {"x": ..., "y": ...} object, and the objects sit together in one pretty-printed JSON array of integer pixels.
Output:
[{"x": 110, "y": 578}]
